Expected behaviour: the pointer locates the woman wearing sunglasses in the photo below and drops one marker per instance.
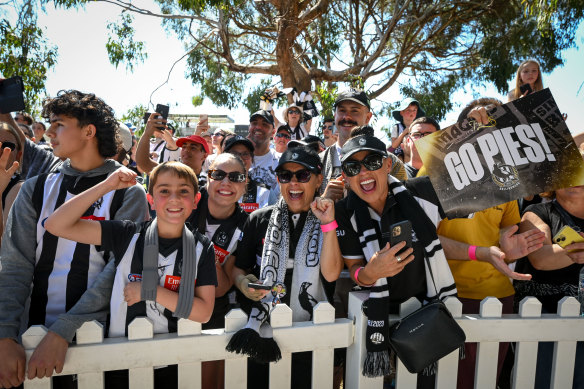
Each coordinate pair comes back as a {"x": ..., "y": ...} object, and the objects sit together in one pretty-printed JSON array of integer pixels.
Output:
[
  {"x": 10, "y": 180},
  {"x": 367, "y": 219},
  {"x": 256, "y": 196},
  {"x": 282, "y": 249},
  {"x": 219, "y": 217},
  {"x": 295, "y": 124}
]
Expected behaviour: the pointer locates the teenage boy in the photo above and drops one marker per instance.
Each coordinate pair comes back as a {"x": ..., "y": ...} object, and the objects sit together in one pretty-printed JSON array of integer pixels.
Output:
[
  {"x": 55, "y": 272},
  {"x": 182, "y": 263}
]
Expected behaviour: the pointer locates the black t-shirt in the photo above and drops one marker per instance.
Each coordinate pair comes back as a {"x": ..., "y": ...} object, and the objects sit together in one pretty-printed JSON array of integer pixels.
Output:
[
  {"x": 249, "y": 251},
  {"x": 549, "y": 286},
  {"x": 411, "y": 282},
  {"x": 116, "y": 236}
]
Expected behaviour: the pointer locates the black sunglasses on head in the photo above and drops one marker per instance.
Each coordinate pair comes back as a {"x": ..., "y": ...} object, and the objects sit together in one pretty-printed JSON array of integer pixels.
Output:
[
  {"x": 10, "y": 145},
  {"x": 219, "y": 175},
  {"x": 371, "y": 162},
  {"x": 285, "y": 176}
]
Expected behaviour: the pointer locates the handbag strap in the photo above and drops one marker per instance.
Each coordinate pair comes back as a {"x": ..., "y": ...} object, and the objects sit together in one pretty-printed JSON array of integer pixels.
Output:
[
  {"x": 431, "y": 275},
  {"x": 566, "y": 218}
]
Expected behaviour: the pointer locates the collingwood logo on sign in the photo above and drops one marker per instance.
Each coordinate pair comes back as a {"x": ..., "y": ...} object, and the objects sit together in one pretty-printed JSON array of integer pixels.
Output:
[
  {"x": 376, "y": 338},
  {"x": 509, "y": 145}
]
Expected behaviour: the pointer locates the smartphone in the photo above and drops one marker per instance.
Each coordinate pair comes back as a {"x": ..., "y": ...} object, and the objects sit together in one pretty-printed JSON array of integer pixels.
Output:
[
  {"x": 256, "y": 285},
  {"x": 163, "y": 110},
  {"x": 204, "y": 119},
  {"x": 146, "y": 117},
  {"x": 566, "y": 236},
  {"x": 525, "y": 88},
  {"x": 11, "y": 95},
  {"x": 399, "y": 232}
]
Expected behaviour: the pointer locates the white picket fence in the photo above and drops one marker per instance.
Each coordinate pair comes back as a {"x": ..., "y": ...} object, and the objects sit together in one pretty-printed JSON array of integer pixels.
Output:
[{"x": 141, "y": 351}]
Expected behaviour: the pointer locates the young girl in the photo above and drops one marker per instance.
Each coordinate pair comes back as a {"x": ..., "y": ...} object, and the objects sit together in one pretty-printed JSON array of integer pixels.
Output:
[{"x": 529, "y": 73}]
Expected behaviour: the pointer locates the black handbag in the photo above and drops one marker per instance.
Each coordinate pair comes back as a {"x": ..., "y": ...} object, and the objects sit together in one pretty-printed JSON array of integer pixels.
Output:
[{"x": 424, "y": 336}]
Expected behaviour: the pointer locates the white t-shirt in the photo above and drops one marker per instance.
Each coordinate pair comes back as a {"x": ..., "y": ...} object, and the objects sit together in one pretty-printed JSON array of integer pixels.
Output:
[{"x": 263, "y": 168}]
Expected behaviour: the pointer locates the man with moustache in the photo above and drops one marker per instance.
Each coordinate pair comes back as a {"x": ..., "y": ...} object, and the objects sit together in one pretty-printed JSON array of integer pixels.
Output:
[
  {"x": 352, "y": 109},
  {"x": 328, "y": 132},
  {"x": 261, "y": 130}
]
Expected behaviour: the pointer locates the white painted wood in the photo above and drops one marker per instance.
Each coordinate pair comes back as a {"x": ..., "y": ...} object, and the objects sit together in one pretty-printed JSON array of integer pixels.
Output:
[
  {"x": 356, "y": 351},
  {"x": 409, "y": 306},
  {"x": 565, "y": 351},
  {"x": 189, "y": 375},
  {"x": 90, "y": 380},
  {"x": 488, "y": 352},
  {"x": 140, "y": 328},
  {"x": 568, "y": 307},
  {"x": 141, "y": 378},
  {"x": 236, "y": 373},
  {"x": 281, "y": 316},
  {"x": 188, "y": 327},
  {"x": 454, "y": 306},
  {"x": 447, "y": 371},
  {"x": 235, "y": 320},
  {"x": 33, "y": 336},
  {"x": 323, "y": 368},
  {"x": 281, "y": 372},
  {"x": 403, "y": 378},
  {"x": 90, "y": 332},
  {"x": 526, "y": 352},
  {"x": 323, "y": 313},
  {"x": 44, "y": 383}
]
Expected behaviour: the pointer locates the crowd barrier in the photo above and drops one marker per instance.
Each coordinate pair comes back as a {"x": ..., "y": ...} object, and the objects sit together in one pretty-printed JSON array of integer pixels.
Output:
[{"x": 141, "y": 350}]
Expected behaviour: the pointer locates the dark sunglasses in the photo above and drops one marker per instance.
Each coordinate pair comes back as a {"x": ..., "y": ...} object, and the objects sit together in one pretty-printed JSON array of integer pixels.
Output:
[
  {"x": 219, "y": 175},
  {"x": 294, "y": 111},
  {"x": 10, "y": 145},
  {"x": 285, "y": 176},
  {"x": 371, "y": 162},
  {"x": 281, "y": 135}
]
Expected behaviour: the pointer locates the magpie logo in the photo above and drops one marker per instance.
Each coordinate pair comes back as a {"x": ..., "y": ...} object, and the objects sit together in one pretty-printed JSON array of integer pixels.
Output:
[
  {"x": 376, "y": 338},
  {"x": 362, "y": 141}
]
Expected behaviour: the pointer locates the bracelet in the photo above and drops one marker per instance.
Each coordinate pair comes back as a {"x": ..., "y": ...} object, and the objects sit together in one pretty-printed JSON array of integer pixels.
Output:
[
  {"x": 329, "y": 227},
  {"x": 472, "y": 253},
  {"x": 356, "y": 276}
]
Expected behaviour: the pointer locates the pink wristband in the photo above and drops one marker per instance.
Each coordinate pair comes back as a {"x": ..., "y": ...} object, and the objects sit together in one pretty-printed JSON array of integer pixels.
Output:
[
  {"x": 472, "y": 253},
  {"x": 329, "y": 227},
  {"x": 357, "y": 277}
]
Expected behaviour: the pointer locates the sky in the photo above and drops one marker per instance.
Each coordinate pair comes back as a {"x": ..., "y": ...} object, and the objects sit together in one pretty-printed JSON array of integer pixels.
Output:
[{"x": 83, "y": 64}]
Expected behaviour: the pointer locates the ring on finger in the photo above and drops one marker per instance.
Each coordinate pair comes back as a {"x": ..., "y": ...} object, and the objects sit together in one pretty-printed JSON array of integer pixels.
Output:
[{"x": 398, "y": 258}]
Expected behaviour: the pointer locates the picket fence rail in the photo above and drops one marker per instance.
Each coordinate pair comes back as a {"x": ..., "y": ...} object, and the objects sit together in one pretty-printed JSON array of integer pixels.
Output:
[{"x": 141, "y": 351}]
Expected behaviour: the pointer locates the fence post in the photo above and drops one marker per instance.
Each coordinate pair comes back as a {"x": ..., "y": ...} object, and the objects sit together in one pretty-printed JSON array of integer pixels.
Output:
[
  {"x": 189, "y": 374},
  {"x": 448, "y": 366},
  {"x": 281, "y": 371},
  {"x": 90, "y": 332},
  {"x": 526, "y": 352},
  {"x": 356, "y": 351},
  {"x": 488, "y": 352},
  {"x": 30, "y": 340},
  {"x": 565, "y": 351},
  {"x": 323, "y": 359},
  {"x": 403, "y": 378},
  {"x": 235, "y": 366},
  {"x": 141, "y": 377}
]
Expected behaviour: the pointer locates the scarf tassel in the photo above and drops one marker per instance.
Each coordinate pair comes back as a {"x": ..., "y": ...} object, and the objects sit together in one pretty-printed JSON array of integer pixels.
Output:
[
  {"x": 248, "y": 342},
  {"x": 376, "y": 364},
  {"x": 433, "y": 368}
]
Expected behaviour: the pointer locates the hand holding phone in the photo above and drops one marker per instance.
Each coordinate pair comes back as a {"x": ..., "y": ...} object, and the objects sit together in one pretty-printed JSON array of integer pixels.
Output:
[
  {"x": 11, "y": 95},
  {"x": 399, "y": 232},
  {"x": 566, "y": 236},
  {"x": 525, "y": 89},
  {"x": 258, "y": 285}
]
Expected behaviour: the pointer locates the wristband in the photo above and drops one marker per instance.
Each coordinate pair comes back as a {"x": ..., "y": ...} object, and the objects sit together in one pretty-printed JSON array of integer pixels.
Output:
[
  {"x": 329, "y": 227},
  {"x": 356, "y": 276},
  {"x": 472, "y": 253}
]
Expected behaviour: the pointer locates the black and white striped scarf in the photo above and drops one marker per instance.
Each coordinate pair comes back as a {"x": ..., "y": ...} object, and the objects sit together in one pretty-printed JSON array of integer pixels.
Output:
[
  {"x": 418, "y": 211},
  {"x": 255, "y": 340}
]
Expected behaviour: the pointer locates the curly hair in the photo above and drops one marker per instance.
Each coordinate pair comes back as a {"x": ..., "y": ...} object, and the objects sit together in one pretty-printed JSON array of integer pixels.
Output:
[{"x": 88, "y": 109}]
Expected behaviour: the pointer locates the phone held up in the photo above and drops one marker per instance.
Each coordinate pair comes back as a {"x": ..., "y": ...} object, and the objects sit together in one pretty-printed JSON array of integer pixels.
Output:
[
  {"x": 525, "y": 88},
  {"x": 566, "y": 236},
  {"x": 399, "y": 232},
  {"x": 11, "y": 95}
]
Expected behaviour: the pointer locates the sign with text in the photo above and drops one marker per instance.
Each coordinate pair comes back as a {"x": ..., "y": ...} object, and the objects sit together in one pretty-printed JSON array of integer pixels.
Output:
[{"x": 526, "y": 148}]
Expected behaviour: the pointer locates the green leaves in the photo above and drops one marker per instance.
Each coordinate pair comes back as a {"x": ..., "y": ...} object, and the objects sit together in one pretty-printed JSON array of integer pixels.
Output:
[{"x": 121, "y": 47}]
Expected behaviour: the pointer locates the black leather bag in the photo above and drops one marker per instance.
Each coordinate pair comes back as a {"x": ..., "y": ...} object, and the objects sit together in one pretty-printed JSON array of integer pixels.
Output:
[{"x": 425, "y": 335}]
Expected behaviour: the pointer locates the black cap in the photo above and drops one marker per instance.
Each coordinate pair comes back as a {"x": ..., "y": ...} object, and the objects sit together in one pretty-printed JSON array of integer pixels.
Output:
[
  {"x": 263, "y": 114},
  {"x": 363, "y": 143},
  {"x": 355, "y": 95},
  {"x": 302, "y": 155},
  {"x": 238, "y": 140}
]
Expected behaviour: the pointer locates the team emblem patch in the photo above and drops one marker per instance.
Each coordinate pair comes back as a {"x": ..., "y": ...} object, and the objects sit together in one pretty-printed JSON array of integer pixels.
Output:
[
  {"x": 376, "y": 338},
  {"x": 362, "y": 142},
  {"x": 294, "y": 156}
]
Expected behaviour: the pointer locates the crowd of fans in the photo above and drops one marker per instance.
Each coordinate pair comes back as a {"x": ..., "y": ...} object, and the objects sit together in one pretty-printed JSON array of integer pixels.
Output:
[{"x": 100, "y": 225}]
